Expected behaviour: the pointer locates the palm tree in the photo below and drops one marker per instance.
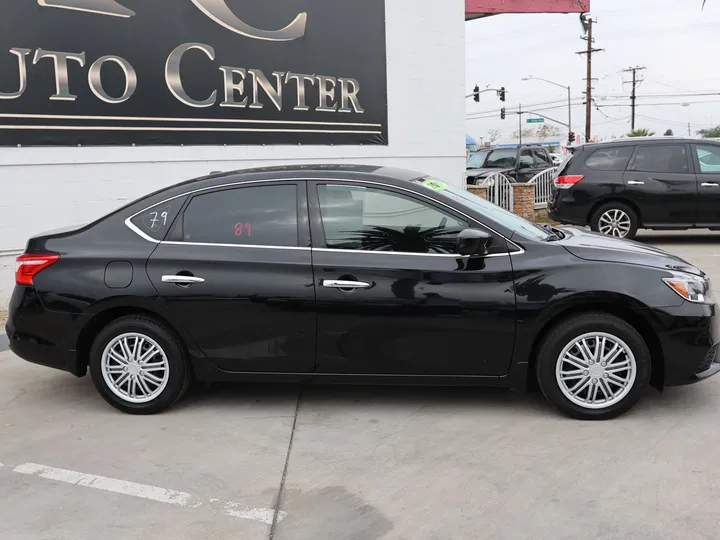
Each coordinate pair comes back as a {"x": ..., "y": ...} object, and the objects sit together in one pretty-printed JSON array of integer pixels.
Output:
[{"x": 641, "y": 132}]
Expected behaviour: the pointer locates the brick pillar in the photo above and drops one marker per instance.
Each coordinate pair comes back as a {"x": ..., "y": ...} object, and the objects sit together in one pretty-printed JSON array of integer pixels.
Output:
[
  {"x": 524, "y": 200},
  {"x": 479, "y": 191}
]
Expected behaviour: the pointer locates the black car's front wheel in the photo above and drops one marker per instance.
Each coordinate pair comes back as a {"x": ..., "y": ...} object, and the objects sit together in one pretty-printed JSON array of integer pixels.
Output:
[
  {"x": 138, "y": 366},
  {"x": 593, "y": 366}
]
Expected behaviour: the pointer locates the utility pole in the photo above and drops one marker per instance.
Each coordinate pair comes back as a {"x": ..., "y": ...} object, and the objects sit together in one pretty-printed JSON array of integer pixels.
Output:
[
  {"x": 633, "y": 96},
  {"x": 520, "y": 122},
  {"x": 689, "y": 134},
  {"x": 587, "y": 23}
]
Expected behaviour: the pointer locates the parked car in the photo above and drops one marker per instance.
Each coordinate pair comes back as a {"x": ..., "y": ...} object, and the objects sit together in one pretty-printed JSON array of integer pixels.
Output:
[
  {"x": 557, "y": 159},
  {"x": 356, "y": 274},
  {"x": 621, "y": 186},
  {"x": 519, "y": 164}
]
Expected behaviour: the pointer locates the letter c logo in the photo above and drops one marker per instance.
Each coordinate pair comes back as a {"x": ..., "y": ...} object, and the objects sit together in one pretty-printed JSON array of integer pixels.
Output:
[{"x": 217, "y": 10}]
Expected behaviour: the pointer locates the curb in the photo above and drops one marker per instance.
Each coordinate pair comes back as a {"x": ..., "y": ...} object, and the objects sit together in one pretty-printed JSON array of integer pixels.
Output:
[{"x": 4, "y": 343}]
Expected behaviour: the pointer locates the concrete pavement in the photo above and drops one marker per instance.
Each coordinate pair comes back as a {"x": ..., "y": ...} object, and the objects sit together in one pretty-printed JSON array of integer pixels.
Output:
[{"x": 356, "y": 463}]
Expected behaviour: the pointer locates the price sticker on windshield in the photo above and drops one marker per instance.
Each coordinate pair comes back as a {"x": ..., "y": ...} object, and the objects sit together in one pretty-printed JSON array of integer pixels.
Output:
[{"x": 435, "y": 184}]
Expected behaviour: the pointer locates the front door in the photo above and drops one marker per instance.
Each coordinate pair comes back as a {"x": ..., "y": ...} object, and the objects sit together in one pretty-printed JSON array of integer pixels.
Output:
[
  {"x": 393, "y": 298},
  {"x": 707, "y": 166},
  {"x": 661, "y": 184},
  {"x": 236, "y": 271}
]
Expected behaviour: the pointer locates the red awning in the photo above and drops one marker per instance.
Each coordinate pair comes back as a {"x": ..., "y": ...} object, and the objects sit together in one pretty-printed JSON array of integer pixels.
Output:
[{"x": 482, "y": 8}]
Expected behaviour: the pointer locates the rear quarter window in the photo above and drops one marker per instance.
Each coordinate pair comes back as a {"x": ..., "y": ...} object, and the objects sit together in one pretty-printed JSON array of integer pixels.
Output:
[
  {"x": 610, "y": 159},
  {"x": 156, "y": 221}
]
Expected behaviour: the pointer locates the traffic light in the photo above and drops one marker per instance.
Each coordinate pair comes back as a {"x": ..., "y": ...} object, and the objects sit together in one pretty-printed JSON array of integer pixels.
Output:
[
  {"x": 502, "y": 93},
  {"x": 571, "y": 138},
  {"x": 502, "y": 113},
  {"x": 476, "y": 92}
]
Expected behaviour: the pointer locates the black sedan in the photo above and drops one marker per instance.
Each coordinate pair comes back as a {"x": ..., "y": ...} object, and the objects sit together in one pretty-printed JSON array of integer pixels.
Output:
[{"x": 356, "y": 274}]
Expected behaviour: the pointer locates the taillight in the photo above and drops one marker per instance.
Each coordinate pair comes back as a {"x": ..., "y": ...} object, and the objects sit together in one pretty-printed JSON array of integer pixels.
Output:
[
  {"x": 566, "y": 182},
  {"x": 28, "y": 266}
]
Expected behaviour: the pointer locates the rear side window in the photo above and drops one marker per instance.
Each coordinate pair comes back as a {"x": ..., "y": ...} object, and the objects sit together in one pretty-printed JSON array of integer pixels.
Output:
[
  {"x": 662, "y": 158},
  {"x": 610, "y": 159},
  {"x": 155, "y": 222},
  {"x": 252, "y": 216},
  {"x": 542, "y": 159}
]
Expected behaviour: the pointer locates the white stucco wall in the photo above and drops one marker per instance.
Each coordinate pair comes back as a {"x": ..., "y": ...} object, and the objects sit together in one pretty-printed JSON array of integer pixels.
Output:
[{"x": 46, "y": 188}]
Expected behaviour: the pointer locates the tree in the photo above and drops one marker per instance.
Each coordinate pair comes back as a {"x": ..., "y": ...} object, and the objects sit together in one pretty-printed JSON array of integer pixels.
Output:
[
  {"x": 669, "y": 133},
  {"x": 494, "y": 135},
  {"x": 546, "y": 131},
  {"x": 711, "y": 133},
  {"x": 526, "y": 133},
  {"x": 641, "y": 132}
]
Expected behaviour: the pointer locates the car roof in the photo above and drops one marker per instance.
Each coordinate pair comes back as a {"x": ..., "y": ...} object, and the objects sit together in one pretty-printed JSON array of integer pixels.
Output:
[
  {"x": 335, "y": 172},
  {"x": 635, "y": 140}
]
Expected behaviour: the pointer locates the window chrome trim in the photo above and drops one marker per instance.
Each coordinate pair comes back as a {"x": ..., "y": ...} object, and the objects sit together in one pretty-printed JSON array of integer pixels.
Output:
[
  {"x": 209, "y": 244},
  {"x": 143, "y": 235},
  {"x": 404, "y": 253}
]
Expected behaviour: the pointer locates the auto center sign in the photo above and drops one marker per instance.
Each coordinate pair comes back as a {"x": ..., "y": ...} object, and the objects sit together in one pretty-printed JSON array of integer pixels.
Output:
[{"x": 106, "y": 72}]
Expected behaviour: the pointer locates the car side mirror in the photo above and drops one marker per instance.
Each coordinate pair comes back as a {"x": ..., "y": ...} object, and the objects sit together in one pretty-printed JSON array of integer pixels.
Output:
[{"x": 473, "y": 242}]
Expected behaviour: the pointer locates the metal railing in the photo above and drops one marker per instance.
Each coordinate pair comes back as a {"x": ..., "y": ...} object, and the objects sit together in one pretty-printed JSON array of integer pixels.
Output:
[
  {"x": 499, "y": 190},
  {"x": 543, "y": 186}
]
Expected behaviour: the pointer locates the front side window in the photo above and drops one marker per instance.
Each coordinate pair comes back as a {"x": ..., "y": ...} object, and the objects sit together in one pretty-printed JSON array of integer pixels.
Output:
[
  {"x": 369, "y": 219},
  {"x": 610, "y": 159},
  {"x": 661, "y": 158},
  {"x": 709, "y": 158},
  {"x": 253, "y": 216}
]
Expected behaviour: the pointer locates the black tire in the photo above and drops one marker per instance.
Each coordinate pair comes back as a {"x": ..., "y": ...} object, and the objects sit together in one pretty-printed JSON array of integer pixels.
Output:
[
  {"x": 179, "y": 376},
  {"x": 622, "y": 207},
  {"x": 565, "y": 332}
]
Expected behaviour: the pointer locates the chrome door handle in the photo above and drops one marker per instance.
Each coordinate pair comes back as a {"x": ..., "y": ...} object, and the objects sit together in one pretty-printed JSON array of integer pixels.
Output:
[
  {"x": 635, "y": 183},
  {"x": 709, "y": 184},
  {"x": 340, "y": 284},
  {"x": 182, "y": 280}
]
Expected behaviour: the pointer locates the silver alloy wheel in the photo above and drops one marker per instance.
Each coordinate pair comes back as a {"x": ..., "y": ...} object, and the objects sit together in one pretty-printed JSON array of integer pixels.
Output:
[
  {"x": 596, "y": 370},
  {"x": 135, "y": 368},
  {"x": 614, "y": 222}
]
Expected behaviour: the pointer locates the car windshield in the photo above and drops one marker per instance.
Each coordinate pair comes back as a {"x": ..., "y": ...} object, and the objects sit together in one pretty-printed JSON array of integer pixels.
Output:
[
  {"x": 471, "y": 201},
  {"x": 493, "y": 159}
]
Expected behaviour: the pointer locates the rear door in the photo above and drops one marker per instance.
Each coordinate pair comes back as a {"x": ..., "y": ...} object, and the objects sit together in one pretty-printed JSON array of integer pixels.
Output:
[
  {"x": 707, "y": 165},
  {"x": 661, "y": 183},
  {"x": 236, "y": 270}
]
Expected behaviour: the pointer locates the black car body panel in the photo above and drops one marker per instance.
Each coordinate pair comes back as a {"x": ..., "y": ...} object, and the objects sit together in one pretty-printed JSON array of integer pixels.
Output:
[{"x": 263, "y": 311}]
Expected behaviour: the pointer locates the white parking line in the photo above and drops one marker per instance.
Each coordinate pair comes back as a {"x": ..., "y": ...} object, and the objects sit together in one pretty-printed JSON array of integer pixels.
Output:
[{"x": 143, "y": 491}]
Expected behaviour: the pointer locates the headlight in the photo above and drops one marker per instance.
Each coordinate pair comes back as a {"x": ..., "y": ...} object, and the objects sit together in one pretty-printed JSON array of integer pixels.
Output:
[{"x": 691, "y": 288}]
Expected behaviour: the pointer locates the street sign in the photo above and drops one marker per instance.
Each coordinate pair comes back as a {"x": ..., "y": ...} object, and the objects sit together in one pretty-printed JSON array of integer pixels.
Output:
[{"x": 535, "y": 120}]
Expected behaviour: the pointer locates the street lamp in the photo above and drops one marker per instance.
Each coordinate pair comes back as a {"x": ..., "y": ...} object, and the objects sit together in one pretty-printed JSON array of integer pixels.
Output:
[{"x": 531, "y": 78}]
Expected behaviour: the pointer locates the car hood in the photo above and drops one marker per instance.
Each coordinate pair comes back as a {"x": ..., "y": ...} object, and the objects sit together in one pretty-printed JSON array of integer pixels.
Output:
[{"x": 597, "y": 247}]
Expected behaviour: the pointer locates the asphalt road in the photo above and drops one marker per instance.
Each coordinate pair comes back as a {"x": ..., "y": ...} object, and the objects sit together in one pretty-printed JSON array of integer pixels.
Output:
[{"x": 357, "y": 463}]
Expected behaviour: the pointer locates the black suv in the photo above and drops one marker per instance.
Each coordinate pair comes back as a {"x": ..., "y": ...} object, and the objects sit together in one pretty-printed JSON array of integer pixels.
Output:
[
  {"x": 519, "y": 163},
  {"x": 650, "y": 182}
]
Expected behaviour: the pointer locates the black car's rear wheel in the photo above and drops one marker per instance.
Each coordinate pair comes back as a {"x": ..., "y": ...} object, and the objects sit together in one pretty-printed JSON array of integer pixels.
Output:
[
  {"x": 615, "y": 219},
  {"x": 593, "y": 366},
  {"x": 138, "y": 366}
]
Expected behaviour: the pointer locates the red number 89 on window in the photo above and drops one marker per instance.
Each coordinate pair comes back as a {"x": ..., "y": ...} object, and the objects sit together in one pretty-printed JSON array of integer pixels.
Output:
[{"x": 243, "y": 229}]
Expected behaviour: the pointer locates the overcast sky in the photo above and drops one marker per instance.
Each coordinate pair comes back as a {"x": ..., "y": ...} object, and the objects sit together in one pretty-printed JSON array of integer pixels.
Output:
[{"x": 677, "y": 42}]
